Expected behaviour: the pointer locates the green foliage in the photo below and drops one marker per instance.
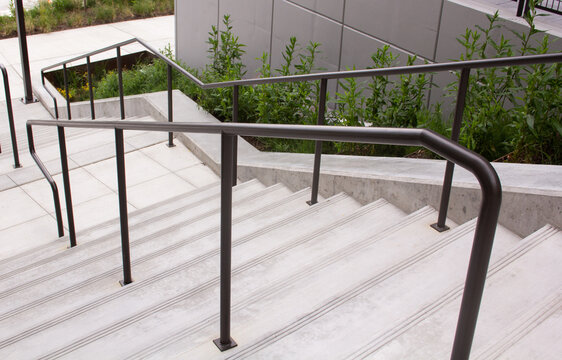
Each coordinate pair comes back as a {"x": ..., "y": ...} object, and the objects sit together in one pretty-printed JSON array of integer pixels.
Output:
[
  {"x": 511, "y": 113},
  {"x": 289, "y": 102}
]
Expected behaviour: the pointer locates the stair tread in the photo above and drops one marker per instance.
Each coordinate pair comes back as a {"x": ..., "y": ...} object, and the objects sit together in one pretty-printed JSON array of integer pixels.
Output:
[
  {"x": 509, "y": 290},
  {"x": 246, "y": 275},
  {"x": 350, "y": 203},
  {"x": 97, "y": 258}
]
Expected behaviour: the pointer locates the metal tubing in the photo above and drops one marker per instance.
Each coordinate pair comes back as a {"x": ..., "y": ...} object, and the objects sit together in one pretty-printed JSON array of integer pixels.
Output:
[
  {"x": 455, "y": 133},
  {"x": 10, "y": 117},
  {"x": 66, "y": 93},
  {"x": 24, "y": 54},
  {"x": 48, "y": 177},
  {"x": 450, "y": 150},
  {"x": 318, "y": 145},
  {"x": 235, "y": 109},
  {"x": 90, "y": 88},
  {"x": 66, "y": 182},
  {"x": 225, "y": 342},
  {"x": 170, "y": 107},
  {"x": 123, "y": 213},
  {"x": 120, "y": 77},
  {"x": 520, "y": 7}
]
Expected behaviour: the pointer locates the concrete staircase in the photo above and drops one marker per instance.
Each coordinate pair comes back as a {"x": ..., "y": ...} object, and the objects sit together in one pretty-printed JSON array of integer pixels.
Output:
[{"x": 334, "y": 280}]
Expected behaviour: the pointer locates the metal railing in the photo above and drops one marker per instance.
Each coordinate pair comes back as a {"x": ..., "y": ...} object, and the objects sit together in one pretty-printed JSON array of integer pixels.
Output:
[
  {"x": 553, "y": 6},
  {"x": 10, "y": 116},
  {"x": 463, "y": 66},
  {"x": 450, "y": 150}
]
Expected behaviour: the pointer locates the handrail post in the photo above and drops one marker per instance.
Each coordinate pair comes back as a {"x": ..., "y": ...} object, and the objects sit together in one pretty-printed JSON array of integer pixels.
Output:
[
  {"x": 54, "y": 98},
  {"x": 24, "y": 53},
  {"x": 225, "y": 342},
  {"x": 235, "y": 109},
  {"x": 170, "y": 106},
  {"x": 123, "y": 214},
  {"x": 66, "y": 182},
  {"x": 455, "y": 133},
  {"x": 90, "y": 88},
  {"x": 318, "y": 146},
  {"x": 120, "y": 78},
  {"x": 10, "y": 117},
  {"x": 54, "y": 189},
  {"x": 478, "y": 267},
  {"x": 65, "y": 75}
]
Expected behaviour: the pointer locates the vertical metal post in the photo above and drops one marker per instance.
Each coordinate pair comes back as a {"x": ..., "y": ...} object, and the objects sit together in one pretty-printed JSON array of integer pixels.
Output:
[
  {"x": 318, "y": 147},
  {"x": 66, "y": 182},
  {"x": 477, "y": 270},
  {"x": 66, "y": 93},
  {"x": 522, "y": 6},
  {"x": 22, "y": 36},
  {"x": 54, "y": 189},
  {"x": 120, "y": 78},
  {"x": 90, "y": 88},
  {"x": 54, "y": 99},
  {"x": 235, "y": 107},
  {"x": 10, "y": 117},
  {"x": 225, "y": 342},
  {"x": 455, "y": 133},
  {"x": 170, "y": 107},
  {"x": 123, "y": 213}
]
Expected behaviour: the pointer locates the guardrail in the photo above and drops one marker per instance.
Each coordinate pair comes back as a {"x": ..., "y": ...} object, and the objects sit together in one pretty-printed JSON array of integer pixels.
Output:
[
  {"x": 10, "y": 116},
  {"x": 553, "y": 6},
  {"x": 463, "y": 66},
  {"x": 450, "y": 150}
]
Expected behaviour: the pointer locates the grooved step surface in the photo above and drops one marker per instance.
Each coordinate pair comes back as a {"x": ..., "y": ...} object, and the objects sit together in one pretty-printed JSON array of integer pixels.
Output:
[{"x": 332, "y": 281}]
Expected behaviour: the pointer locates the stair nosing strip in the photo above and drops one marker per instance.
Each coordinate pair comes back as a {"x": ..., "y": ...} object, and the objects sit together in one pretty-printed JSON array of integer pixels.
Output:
[
  {"x": 174, "y": 246},
  {"x": 136, "y": 242},
  {"x": 178, "y": 298},
  {"x": 450, "y": 296},
  {"x": 326, "y": 260}
]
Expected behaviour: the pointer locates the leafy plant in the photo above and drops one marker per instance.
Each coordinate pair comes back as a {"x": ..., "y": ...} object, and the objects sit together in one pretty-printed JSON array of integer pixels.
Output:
[{"x": 511, "y": 113}]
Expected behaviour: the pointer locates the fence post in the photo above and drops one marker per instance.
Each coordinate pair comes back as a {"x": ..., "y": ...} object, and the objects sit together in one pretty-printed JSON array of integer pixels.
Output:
[
  {"x": 318, "y": 146},
  {"x": 120, "y": 78},
  {"x": 67, "y": 189},
  {"x": 235, "y": 107},
  {"x": 455, "y": 132},
  {"x": 170, "y": 106},
  {"x": 22, "y": 36},
  {"x": 123, "y": 215},
  {"x": 66, "y": 92},
  {"x": 90, "y": 88},
  {"x": 225, "y": 342},
  {"x": 11, "y": 117}
]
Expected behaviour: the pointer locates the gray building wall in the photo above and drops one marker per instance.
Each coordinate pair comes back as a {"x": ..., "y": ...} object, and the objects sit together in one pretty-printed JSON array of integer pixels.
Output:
[{"x": 349, "y": 30}]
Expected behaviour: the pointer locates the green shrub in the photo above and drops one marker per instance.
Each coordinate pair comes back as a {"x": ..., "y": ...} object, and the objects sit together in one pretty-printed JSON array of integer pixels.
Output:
[{"x": 143, "y": 7}]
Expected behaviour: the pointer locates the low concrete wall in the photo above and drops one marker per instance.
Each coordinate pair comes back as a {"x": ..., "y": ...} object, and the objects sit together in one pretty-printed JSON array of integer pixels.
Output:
[{"x": 532, "y": 194}]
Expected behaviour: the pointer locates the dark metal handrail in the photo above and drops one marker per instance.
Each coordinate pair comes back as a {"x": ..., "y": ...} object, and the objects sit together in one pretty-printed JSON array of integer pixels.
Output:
[
  {"x": 463, "y": 66},
  {"x": 10, "y": 116},
  {"x": 450, "y": 150}
]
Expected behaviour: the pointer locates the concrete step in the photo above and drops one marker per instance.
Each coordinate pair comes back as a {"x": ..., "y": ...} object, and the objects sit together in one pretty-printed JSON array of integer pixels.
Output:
[
  {"x": 103, "y": 233},
  {"x": 81, "y": 263},
  {"x": 254, "y": 279},
  {"x": 182, "y": 273},
  {"x": 517, "y": 281},
  {"x": 349, "y": 319},
  {"x": 535, "y": 335}
]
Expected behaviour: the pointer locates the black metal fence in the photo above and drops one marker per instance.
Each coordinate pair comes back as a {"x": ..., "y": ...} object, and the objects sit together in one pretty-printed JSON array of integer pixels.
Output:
[
  {"x": 554, "y": 6},
  {"x": 10, "y": 116},
  {"x": 449, "y": 149}
]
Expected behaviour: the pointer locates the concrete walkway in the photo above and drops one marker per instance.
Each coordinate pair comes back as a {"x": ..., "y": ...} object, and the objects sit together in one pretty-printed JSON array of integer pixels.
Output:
[{"x": 154, "y": 171}]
